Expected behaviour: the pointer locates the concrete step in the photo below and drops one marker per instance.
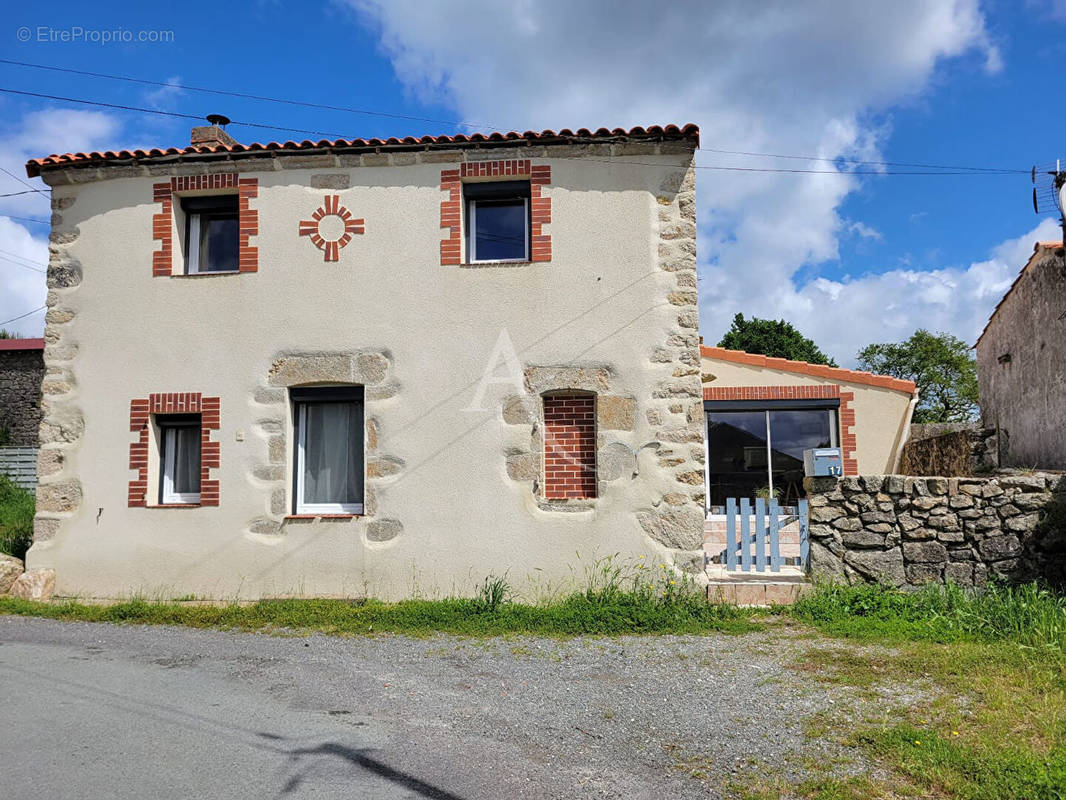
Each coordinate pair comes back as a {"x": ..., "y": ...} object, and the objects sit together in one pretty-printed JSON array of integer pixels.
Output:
[{"x": 757, "y": 589}]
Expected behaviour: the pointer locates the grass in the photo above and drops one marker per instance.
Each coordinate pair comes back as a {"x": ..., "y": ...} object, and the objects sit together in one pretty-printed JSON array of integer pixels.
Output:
[
  {"x": 16, "y": 518},
  {"x": 616, "y": 601},
  {"x": 968, "y": 690},
  {"x": 1028, "y": 615}
]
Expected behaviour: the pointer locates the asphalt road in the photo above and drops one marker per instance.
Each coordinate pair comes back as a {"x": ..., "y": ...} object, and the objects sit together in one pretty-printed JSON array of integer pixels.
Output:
[{"x": 100, "y": 711}]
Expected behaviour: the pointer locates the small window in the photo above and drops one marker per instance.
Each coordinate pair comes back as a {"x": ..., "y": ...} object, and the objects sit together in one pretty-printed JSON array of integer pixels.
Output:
[
  {"x": 212, "y": 234},
  {"x": 497, "y": 221},
  {"x": 180, "y": 454},
  {"x": 329, "y": 450}
]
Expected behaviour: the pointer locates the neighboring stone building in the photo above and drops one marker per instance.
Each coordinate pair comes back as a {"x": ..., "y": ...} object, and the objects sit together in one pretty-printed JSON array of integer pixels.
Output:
[
  {"x": 762, "y": 413},
  {"x": 1021, "y": 364},
  {"x": 21, "y": 372},
  {"x": 370, "y": 367}
]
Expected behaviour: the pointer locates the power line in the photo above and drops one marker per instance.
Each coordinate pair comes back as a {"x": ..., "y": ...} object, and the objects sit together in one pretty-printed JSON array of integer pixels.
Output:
[
  {"x": 24, "y": 183},
  {"x": 120, "y": 107},
  {"x": 21, "y": 316},
  {"x": 868, "y": 163},
  {"x": 24, "y": 266},
  {"x": 22, "y": 258},
  {"x": 27, "y": 219},
  {"x": 966, "y": 170},
  {"x": 230, "y": 93},
  {"x": 16, "y": 194}
]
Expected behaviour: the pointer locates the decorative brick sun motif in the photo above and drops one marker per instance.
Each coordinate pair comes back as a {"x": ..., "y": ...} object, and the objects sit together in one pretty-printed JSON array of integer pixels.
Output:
[{"x": 327, "y": 234}]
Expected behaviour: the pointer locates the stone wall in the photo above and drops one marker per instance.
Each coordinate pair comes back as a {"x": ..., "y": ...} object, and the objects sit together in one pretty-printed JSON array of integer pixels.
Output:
[
  {"x": 908, "y": 531},
  {"x": 21, "y": 372},
  {"x": 951, "y": 449}
]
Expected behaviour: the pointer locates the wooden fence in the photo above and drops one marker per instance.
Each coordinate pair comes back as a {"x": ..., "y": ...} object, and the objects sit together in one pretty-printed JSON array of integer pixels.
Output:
[
  {"x": 20, "y": 464},
  {"x": 754, "y": 540}
]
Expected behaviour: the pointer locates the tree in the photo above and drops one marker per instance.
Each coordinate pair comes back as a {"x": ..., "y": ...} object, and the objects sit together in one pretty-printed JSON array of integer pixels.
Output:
[
  {"x": 941, "y": 367},
  {"x": 6, "y": 334},
  {"x": 774, "y": 338}
]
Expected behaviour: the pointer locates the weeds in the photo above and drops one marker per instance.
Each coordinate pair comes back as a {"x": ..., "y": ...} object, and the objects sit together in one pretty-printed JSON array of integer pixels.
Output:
[
  {"x": 16, "y": 518},
  {"x": 1029, "y": 614},
  {"x": 493, "y": 593}
]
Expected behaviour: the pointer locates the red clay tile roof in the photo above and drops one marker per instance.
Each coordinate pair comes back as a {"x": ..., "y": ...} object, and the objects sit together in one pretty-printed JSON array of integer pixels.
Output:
[
  {"x": 1037, "y": 247},
  {"x": 21, "y": 344},
  {"x": 804, "y": 368},
  {"x": 688, "y": 132}
]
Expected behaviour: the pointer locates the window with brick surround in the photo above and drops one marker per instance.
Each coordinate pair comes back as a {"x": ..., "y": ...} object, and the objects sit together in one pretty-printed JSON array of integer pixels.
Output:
[
  {"x": 152, "y": 417},
  {"x": 569, "y": 446}
]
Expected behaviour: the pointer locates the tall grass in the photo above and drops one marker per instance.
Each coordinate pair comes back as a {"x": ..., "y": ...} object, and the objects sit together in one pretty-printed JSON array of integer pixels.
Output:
[
  {"x": 1028, "y": 614},
  {"x": 16, "y": 518}
]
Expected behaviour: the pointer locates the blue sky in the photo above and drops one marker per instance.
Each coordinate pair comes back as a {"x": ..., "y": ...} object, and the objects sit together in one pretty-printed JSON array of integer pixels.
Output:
[{"x": 848, "y": 259}]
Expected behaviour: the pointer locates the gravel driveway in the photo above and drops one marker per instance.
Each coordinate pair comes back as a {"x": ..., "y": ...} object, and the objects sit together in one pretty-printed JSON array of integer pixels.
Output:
[{"x": 93, "y": 710}]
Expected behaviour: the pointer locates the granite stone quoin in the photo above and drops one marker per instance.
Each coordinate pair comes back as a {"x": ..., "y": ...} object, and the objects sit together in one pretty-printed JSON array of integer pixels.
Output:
[{"x": 906, "y": 531}]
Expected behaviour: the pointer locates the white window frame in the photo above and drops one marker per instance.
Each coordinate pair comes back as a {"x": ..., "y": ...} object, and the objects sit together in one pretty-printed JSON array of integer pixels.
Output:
[
  {"x": 301, "y": 445},
  {"x": 471, "y": 210},
  {"x": 168, "y": 496}
]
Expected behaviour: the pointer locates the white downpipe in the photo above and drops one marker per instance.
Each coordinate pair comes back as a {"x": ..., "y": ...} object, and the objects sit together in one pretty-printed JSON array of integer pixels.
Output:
[{"x": 906, "y": 433}]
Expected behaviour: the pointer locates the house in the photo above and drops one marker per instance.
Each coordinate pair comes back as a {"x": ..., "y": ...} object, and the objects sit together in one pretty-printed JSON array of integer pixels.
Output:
[
  {"x": 1021, "y": 364},
  {"x": 762, "y": 413},
  {"x": 369, "y": 367},
  {"x": 21, "y": 372}
]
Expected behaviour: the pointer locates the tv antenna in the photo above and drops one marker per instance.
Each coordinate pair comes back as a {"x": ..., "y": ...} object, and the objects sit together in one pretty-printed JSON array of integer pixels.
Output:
[{"x": 1049, "y": 192}]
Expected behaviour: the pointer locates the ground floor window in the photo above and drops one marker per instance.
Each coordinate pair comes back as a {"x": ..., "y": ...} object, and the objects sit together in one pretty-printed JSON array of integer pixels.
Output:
[
  {"x": 755, "y": 448},
  {"x": 328, "y": 471},
  {"x": 180, "y": 456}
]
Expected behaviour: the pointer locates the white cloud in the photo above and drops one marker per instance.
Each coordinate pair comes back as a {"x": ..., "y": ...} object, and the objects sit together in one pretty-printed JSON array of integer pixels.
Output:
[
  {"x": 773, "y": 77},
  {"x": 37, "y": 134},
  {"x": 864, "y": 231},
  {"x": 164, "y": 96}
]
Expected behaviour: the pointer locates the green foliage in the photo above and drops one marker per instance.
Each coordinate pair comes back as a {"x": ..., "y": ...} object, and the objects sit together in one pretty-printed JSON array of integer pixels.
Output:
[
  {"x": 1006, "y": 771},
  {"x": 1028, "y": 614},
  {"x": 16, "y": 518},
  {"x": 5, "y": 436},
  {"x": 6, "y": 334},
  {"x": 941, "y": 367},
  {"x": 492, "y": 593},
  {"x": 774, "y": 338}
]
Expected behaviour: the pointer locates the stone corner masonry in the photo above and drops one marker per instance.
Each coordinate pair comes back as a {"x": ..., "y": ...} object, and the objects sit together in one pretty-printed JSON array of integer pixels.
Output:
[{"x": 907, "y": 531}]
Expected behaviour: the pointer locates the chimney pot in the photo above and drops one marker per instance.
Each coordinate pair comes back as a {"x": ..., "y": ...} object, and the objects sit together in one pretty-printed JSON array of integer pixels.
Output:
[{"x": 212, "y": 135}]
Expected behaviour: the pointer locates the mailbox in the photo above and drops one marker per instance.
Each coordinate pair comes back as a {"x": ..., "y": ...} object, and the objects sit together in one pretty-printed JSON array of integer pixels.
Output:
[{"x": 823, "y": 461}]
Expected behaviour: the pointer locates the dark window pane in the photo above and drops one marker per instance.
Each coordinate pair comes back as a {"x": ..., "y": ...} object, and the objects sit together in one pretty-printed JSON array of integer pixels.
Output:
[
  {"x": 500, "y": 230},
  {"x": 792, "y": 432},
  {"x": 186, "y": 460},
  {"x": 219, "y": 236},
  {"x": 736, "y": 444},
  {"x": 333, "y": 454}
]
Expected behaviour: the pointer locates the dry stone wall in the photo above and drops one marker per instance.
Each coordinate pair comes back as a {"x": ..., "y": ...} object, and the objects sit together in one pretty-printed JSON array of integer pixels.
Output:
[
  {"x": 906, "y": 531},
  {"x": 21, "y": 372}
]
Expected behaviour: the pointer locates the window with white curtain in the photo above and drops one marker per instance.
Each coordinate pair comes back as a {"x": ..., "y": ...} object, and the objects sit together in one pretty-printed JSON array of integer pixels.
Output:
[
  {"x": 328, "y": 472},
  {"x": 180, "y": 456}
]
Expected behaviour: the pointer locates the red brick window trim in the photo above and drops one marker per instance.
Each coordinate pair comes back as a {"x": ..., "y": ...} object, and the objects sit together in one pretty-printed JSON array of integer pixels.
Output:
[
  {"x": 569, "y": 446},
  {"x": 163, "y": 222},
  {"x": 141, "y": 411},
  {"x": 846, "y": 415},
  {"x": 451, "y": 207}
]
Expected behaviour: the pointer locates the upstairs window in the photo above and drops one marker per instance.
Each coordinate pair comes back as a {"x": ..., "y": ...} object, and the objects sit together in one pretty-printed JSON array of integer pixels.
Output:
[
  {"x": 180, "y": 456},
  {"x": 497, "y": 221},
  {"x": 212, "y": 234},
  {"x": 329, "y": 450}
]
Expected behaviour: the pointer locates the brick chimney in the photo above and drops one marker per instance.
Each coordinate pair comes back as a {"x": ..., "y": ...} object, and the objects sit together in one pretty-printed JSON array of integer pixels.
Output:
[{"x": 212, "y": 135}]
